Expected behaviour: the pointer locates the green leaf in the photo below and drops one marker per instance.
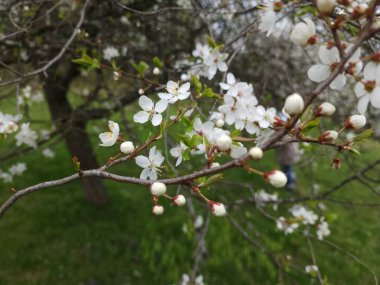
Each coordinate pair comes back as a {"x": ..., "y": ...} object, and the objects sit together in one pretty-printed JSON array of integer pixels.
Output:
[
  {"x": 307, "y": 10},
  {"x": 354, "y": 151},
  {"x": 141, "y": 68},
  {"x": 186, "y": 140},
  {"x": 211, "y": 42},
  {"x": 364, "y": 135},
  {"x": 207, "y": 92},
  {"x": 311, "y": 125},
  {"x": 197, "y": 84},
  {"x": 157, "y": 62},
  {"x": 213, "y": 179},
  {"x": 87, "y": 61}
]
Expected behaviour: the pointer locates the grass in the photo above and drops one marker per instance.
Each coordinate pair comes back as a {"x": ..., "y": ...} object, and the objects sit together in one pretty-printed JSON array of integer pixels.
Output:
[{"x": 55, "y": 237}]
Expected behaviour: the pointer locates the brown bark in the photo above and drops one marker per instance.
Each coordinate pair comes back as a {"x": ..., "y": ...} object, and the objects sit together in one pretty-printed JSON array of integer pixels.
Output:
[{"x": 73, "y": 129}]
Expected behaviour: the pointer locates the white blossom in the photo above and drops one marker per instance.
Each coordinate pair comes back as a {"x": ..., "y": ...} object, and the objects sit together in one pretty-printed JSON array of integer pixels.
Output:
[
  {"x": 47, "y": 152},
  {"x": 150, "y": 164},
  {"x": 26, "y": 136},
  {"x": 323, "y": 229},
  {"x": 110, "y": 138},
  {"x": 186, "y": 280},
  {"x": 178, "y": 151},
  {"x": 175, "y": 92},
  {"x": 286, "y": 226},
  {"x": 308, "y": 217},
  {"x": 303, "y": 33},
  {"x": 330, "y": 59},
  {"x": 368, "y": 90},
  {"x": 110, "y": 52},
  {"x": 17, "y": 169},
  {"x": 311, "y": 269},
  {"x": 8, "y": 124},
  {"x": 150, "y": 111},
  {"x": 238, "y": 150},
  {"x": 215, "y": 61}
]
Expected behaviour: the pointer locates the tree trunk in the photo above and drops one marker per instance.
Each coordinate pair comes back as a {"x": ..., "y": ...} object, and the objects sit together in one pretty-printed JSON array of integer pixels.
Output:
[{"x": 73, "y": 130}]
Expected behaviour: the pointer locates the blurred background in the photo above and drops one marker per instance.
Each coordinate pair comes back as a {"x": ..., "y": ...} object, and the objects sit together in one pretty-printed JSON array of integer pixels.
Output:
[{"x": 101, "y": 232}]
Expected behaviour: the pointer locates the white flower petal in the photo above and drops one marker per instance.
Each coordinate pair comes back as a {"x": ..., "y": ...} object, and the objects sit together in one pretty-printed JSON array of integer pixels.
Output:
[
  {"x": 156, "y": 120},
  {"x": 141, "y": 117},
  {"x": 363, "y": 104},
  {"x": 328, "y": 56},
  {"x": 375, "y": 97},
  {"x": 222, "y": 66},
  {"x": 146, "y": 103},
  {"x": 318, "y": 72},
  {"x": 339, "y": 82},
  {"x": 142, "y": 161},
  {"x": 161, "y": 106},
  {"x": 147, "y": 172},
  {"x": 359, "y": 89},
  {"x": 184, "y": 87}
]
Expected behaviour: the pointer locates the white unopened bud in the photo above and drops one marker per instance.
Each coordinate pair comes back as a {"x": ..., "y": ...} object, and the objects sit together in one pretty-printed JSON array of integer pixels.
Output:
[
  {"x": 179, "y": 200},
  {"x": 304, "y": 33},
  {"x": 294, "y": 104},
  {"x": 328, "y": 136},
  {"x": 141, "y": 91},
  {"x": 326, "y": 6},
  {"x": 256, "y": 153},
  {"x": 158, "y": 210},
  {"x": 215, "y": 164},
  {"x": 220, "y": 123},
  {"x": 276, "y": 178},
  {"x": 158, "y": 188},
  {"x": 223, "y": 142},
  {"x": 127, "y": 147},
  {"x": 156, "y": 71},
  {"x": 355, "y": 122},
  {"x": 217, "y": 209},
  {"x": 325, "y": 109}
]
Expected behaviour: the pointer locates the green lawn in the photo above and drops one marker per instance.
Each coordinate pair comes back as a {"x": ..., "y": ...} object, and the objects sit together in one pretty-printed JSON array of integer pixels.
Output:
[{"x": 55, "y": 237}]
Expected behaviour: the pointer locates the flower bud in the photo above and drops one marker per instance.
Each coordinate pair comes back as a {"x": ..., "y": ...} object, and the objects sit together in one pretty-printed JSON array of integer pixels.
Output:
[
  {"x": 156, "y": 71},
  {"x": 355, "y": 122},
  {"x": 304, "y": 33},
  {"x": 158, "y": 210},
  {"x": 276, "y": 178},
  {"x": 328, "y": 136},
  {"x": 325, "y": 109},
  {"x": 141, "y": 91},
  {"x": 294, "y": 104},
  {"x": 127, "y": 147},
  {"x": 256, "y": 153},
  {"x": 179, "y": 200},
  {"x": 326, "y": 6},
  {"x": 220, "y": 123},
  {"x": 217, "y": 208},
  {"x": 223, "y": 142},
  {"x": 215, "y": 164},
  {"x": 158, "y": 188}
]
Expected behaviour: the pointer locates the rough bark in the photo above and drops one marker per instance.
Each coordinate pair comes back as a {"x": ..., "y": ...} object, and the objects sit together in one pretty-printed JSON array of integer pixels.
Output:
[{"x": 73, "y": 129}]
